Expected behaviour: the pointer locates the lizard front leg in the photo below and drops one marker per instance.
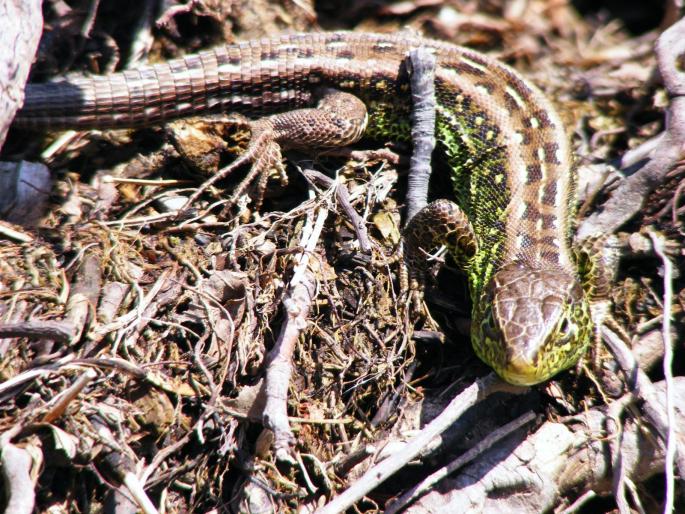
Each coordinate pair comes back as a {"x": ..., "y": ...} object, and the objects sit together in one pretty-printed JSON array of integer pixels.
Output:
[{"x": 439, "y": 223}]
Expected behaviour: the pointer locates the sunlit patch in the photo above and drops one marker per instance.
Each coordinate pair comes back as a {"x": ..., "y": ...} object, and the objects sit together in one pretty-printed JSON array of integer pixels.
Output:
[
  {"x": 384, "y": 45},
  {"x": 515, "y": 96},
  {"x": 483, "y": 90},
  {"x": 333, "y": 45},
  {"x": 347, "y": 84},
  {"x": 474, "y": 64}
]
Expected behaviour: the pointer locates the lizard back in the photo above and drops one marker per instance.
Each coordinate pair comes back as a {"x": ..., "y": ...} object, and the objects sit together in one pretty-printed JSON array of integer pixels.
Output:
[{"x": 504, "y": 141}]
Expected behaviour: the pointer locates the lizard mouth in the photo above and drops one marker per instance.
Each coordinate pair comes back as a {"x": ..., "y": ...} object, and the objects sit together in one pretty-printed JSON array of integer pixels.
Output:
[{"x": 522, "y": 371}]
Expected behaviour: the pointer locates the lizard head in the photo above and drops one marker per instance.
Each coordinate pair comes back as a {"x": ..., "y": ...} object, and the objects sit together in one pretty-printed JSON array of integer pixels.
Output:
[{"x": 531, "y": 323}]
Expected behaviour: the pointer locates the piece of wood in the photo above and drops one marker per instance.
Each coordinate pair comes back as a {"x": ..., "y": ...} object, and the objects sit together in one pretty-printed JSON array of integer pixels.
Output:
[{"x": 21, "y": 24}]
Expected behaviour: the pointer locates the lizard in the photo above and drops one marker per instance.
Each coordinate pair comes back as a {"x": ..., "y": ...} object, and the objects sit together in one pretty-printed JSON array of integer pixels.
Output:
[{"x": 508, "y": 152}]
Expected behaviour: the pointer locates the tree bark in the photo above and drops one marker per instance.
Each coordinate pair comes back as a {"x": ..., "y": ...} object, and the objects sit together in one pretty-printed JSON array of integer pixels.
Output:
[{"x": 21, "y": 24}]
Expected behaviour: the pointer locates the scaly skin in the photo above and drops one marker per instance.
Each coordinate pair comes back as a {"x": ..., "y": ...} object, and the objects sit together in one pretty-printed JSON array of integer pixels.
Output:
[{"x": 507, "y": 148}]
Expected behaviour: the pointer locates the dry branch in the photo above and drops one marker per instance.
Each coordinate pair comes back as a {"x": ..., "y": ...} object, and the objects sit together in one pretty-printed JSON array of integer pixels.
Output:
[
  {"x": 279, "y": 362},
  {"x": 376, "y": 475},
  {"x": 15, "y": 464},
  {"x": 532, "y": 474}
]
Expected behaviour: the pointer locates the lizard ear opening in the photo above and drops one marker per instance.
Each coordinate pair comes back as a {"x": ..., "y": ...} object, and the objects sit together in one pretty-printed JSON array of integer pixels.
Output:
[{"x": 567, "y": 330}]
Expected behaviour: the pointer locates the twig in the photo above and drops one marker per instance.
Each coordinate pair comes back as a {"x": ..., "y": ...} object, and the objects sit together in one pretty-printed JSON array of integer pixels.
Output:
[
  {"x": 475, "y": 393},
  {"x": 84, "y": 294},
  {"x": 59, "y": 404},
  {"x": 135, "y": 487},
  {"x": 640, "y": 152},
  {"x": 618, "y": 463},
  {"x": 348, "y": 462},
  {"x": 460, "y": 461},
  {"x": 165, "y": 453},
  {"x": 113, "y": 294},
  {"x": 296, "y": 304},
  {"x": 133, "y": 316},
  {"x": 658, "y": 243},
  {"x": 143, "y": 40},
  {"x": 343, "y": 196},
  {"x": 14, "y": 232},
  {"x": 60, "y": 331},
  {"x": 82, "y": 299},
  {"x": 532, "y": 473},
  {"x": 31, "y": 374},
  {"x": 422, "y": 68},
  {"x": 579, "y": 502},
  {"x": 120, "y": 464}
]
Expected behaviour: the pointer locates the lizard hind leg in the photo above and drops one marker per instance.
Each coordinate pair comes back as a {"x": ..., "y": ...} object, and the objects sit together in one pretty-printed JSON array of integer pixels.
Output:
[{"x": 339, "y": 119}]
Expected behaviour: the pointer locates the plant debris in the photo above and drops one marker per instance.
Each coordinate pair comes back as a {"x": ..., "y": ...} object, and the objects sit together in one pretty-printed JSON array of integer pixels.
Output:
[{"x": 255, "y": 352}]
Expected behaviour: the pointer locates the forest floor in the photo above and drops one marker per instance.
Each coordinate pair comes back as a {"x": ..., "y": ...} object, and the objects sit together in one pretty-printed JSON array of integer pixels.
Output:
[{"x": 134, "y": 348}]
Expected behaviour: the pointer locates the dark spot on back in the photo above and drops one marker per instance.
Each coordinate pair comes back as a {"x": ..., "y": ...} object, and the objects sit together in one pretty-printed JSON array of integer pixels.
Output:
[
  {"x": 549, "y": 194},
  {"x": 269, "y": 55},
  {"x": 543, "y": 118},
  {"x": 510, "y": 102},
  {"x": 305, "y": 52},
  {"x": 477, "y": 59},
  {"x": 519, "y": 86},
  {"x": 547, "y": 221},
  {"x": 527, "y": 241},
  {"x": 526, "y": 137},
  {"x": 483, "y": 129},
  {"x": 452, "y": 240},
  {"x": 531, "y": 213},
  {"x": 533, "y": 174},
  {"x": 498, "y": 169},
  {"x": 466, "y": 69},
  {"x": 552, "y": 257},
  {"x": 551, "y": 153},
  {"x": 345, "y": 54}
]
